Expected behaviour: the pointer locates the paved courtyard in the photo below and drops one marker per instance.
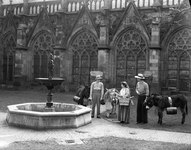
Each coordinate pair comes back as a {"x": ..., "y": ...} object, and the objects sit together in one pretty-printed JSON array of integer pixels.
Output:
[
  {"x": 97, "y": 129},
  {"x": 100, "y": 134}
]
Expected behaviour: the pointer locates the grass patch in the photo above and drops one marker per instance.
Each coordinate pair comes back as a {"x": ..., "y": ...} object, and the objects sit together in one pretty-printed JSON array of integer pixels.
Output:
[{"x": 102, "y": 143}]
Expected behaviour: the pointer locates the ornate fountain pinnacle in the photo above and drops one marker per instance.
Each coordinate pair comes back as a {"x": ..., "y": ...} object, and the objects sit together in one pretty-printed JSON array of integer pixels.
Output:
[
  {"x": 11, "y": 6},
  {"x": 51, "y": 66},
  {"x": 85, "y": 2}
]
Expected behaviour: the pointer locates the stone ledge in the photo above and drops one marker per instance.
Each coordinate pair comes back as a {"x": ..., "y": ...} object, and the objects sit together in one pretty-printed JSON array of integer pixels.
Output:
[{"x": 48, "y": 120}]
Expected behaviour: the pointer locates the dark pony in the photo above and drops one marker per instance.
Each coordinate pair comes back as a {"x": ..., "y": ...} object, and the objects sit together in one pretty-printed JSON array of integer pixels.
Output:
[
  {"x": 163, "y": 102},
  {"x": 83, "y": 93}
]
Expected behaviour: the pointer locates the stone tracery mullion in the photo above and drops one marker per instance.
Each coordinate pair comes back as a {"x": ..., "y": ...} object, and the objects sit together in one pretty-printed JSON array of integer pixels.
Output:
[
  {"x": 42, "y": 47},
  {"x": 180, "y": 44},
  {"x": 9, "y": 51},
  {"x": 85, "y": 43},
  {"x": 130, "y": 43}
]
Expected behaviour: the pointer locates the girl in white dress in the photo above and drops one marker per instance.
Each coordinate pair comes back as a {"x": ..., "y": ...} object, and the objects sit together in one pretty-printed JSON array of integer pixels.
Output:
[{"x": 124, "y": 110}]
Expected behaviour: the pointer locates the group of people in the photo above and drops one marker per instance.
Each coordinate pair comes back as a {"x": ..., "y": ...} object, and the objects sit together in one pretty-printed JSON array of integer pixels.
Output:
[{"x": 123, "y": 111}]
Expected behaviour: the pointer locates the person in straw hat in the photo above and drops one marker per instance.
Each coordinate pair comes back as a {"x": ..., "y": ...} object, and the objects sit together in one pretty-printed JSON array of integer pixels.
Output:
[
  {"x": 96, "y": 94},
  {"x": 142, "y": 89}
]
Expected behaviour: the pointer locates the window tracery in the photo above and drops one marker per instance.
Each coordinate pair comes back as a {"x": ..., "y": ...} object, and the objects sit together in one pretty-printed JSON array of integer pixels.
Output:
[
  {"x": 42, "y": 47},
  {"x": 8, "y": 57},
  {"x": 179, "y": 60},
  {"x": 131, "y": 56},
  {"x": 85, "y": 57}
]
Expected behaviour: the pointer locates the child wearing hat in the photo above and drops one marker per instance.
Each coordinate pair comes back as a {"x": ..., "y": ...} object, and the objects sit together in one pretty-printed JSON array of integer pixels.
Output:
[{"x": 96, "y": 94}]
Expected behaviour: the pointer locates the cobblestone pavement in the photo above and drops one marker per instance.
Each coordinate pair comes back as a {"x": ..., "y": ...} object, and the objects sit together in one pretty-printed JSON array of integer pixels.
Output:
[{"x": 97, "y": 129}]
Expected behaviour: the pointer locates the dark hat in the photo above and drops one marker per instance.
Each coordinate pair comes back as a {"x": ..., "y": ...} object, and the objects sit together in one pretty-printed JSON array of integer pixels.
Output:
[{"x": 124, "y": 83}]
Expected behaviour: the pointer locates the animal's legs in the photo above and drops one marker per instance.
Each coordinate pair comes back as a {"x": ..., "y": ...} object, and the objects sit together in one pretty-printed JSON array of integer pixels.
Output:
[
  {"x": 160, "y": 115},
  {"x": 183, "y": 115},
  {"x": 112, "y": 110}
]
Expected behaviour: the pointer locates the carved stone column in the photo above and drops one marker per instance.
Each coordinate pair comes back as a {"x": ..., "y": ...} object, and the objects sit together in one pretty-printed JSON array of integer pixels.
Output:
[
  {"x": 103, "y": 48},
  {"x": 1, "y": 8},
  {"x": 108, "y": 4},
  {"x": 21, "y": 55},
  {"x": 25, "y": 7},
  {"x": 154, "y": 57},
  {"x": 64, "y": 6}
]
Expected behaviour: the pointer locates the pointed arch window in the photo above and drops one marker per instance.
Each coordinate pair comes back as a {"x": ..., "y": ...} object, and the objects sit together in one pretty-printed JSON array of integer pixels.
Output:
[
  {"x": 131, "y": 68},
  {"x": 179, "y": 60},
  {"x": 85, "y": 57},
  {"x": 84, "y": 67},
  {"x": 173, "y": 68},
  {"x": 131, "y": 56},
  {"x": 141, "y": 62},
  {"x": 9, "y": 57},
  {"x": 184, "y": 73},
  {"x": 42, "y": 48},
  {"x": 57, "y": 64},
  {"x": 121, "y": 67}
]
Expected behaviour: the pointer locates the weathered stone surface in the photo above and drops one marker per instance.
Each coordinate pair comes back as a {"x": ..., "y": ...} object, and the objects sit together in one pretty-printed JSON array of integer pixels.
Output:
[{"x": 36, "y": 116}]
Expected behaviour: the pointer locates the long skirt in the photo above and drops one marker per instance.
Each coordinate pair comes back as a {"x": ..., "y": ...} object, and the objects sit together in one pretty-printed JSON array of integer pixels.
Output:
[
  {"x": 123, "y": 114},
  {"x": 141, "y": 110}
]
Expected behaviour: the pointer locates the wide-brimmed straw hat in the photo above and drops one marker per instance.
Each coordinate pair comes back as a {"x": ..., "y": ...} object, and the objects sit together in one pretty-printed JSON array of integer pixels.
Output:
[
  {"x": 140, "y": 76},
  {"x": 98, "y": 77}
]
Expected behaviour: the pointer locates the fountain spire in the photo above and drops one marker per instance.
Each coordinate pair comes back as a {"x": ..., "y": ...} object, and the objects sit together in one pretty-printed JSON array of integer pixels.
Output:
[{"x": 51, "y": 66}]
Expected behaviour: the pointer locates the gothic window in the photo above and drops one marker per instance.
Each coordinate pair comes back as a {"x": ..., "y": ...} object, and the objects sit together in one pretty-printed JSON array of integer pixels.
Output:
[
  {"x": 5, "y": 66},
  {"x": 173, "y": 68},
  {"x": 9, "y": 57},
  {"x": 141, "y": 4},
  {"x": 93, "y": 5},
  {"x": 69, "y": 7},
  {"x": 184, "y": 73},
  {"x": 123, "y": 3},
  {"x": 57, "y": 64},
  {"x": 102, "y": 3},
  {"x": 76, "y": 70},
  {"x": 131, "y": 56},
  {"x": 179, "y": 60},
  {"x": 36, "y": 64},
  {"x": 42, "y": 48},
  {"x": 146, "y": 3},
  {"x": 97, "y": 5},
  {"x": 141, "y": 62},
  {"x": 85, "y": 57},
  {"x": 113, "y": 4},
  {"x": 131, "y": 68},
  {"x": 121, "y": 70}
]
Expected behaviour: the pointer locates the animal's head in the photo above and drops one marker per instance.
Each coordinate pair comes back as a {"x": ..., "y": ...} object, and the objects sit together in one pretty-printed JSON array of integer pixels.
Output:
[
  {"x": 110, "y": 92},
  {"x": 152, "y": 100},
  {"x": 149, "y": 102}
]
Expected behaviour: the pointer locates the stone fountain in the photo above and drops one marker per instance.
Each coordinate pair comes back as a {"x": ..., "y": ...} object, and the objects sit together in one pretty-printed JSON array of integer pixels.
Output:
[
  {"x": 50, "y": 83},
  {"x": 50, "y": 114}
]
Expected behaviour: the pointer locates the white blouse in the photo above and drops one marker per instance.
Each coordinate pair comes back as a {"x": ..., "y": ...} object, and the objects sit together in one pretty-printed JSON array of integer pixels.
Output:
[{"x": 124, "y": 92}]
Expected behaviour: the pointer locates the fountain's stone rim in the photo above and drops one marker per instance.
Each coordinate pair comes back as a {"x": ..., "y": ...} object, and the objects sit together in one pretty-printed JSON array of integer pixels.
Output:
[
  {"x": 15, "y": 109},
  {"x": 47, "y": 120}
]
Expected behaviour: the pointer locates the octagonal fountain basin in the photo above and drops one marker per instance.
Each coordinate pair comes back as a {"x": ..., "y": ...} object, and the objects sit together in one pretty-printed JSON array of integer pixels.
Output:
[{"x": 38, "y": 116}]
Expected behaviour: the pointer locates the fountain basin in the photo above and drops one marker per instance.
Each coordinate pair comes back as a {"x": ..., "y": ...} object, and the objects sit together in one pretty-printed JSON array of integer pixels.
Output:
[
  {"x": 38, "y": 116},
  {"x": 47, "y": 81}
]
